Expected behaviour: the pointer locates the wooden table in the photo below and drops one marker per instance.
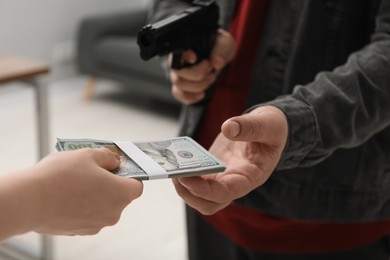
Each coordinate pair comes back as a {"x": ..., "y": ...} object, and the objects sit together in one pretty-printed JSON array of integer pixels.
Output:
[{"x": 31, "y": 72}]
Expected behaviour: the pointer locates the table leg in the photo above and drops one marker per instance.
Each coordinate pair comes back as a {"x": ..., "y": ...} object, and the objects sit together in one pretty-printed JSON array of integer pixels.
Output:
[
  {"x": 42, "y": 113},
  {"x": 47, "y": 248},
  {"x": 42, "y": 119}
]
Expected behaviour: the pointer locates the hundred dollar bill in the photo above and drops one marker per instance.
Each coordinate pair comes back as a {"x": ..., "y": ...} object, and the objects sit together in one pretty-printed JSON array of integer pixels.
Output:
[{"x": 177, "y": 157}]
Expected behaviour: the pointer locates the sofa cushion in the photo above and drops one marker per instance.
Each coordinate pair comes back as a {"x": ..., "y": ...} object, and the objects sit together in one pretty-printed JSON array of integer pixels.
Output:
[{"x": 122, "y": 52}]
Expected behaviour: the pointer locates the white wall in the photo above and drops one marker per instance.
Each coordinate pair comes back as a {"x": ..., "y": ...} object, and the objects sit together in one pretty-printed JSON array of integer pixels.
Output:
[{"x": 36, "y": 28}]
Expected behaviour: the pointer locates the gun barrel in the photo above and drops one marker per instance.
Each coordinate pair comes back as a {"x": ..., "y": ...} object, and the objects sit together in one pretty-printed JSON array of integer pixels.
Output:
[{"x": 177, "y": 31}]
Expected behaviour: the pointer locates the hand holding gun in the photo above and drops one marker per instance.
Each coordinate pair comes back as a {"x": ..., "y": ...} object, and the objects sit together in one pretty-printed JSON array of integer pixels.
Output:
[{"x": 195, "y": 28}]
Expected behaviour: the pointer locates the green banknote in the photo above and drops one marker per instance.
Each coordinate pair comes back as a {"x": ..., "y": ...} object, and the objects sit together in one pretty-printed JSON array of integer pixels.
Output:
[{"x": 176, "y": 157}]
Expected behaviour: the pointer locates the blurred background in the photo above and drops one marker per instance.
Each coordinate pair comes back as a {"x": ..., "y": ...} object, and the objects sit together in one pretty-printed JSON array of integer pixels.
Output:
[
  {"x": 47, "y": 29},
  {"x": 97, "y": 88}
]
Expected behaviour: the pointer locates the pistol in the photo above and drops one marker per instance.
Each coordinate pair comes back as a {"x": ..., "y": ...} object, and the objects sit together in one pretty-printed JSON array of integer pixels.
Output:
[{"x": 195, "y": 28}]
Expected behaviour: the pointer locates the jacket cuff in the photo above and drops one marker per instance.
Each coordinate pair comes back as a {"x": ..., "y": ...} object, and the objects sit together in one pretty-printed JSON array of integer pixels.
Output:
[{"x": 303, "y": 132}]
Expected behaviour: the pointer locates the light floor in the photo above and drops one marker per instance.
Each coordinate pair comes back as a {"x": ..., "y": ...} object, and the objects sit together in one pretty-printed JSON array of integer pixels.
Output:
[{"x": 153, "y": 226}]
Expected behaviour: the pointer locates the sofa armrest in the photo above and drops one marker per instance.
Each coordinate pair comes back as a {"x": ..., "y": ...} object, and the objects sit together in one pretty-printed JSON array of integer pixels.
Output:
[{"x": 93, "y": 28}]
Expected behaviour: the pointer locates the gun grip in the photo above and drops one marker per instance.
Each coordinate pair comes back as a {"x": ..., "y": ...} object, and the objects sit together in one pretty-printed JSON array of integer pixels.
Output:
[{"x": 176, "y": 60}]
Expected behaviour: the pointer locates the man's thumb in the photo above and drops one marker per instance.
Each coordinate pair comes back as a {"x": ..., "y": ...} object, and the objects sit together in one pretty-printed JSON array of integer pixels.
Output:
[
  {"x": 265, "y": 124},
  {"x": 240, "y": 128},
  {"x": 223, "y": 51}
]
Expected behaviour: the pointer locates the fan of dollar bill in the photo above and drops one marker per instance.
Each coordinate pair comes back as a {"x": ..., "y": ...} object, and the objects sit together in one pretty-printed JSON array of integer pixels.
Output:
[{"x": 176, "y": 157}]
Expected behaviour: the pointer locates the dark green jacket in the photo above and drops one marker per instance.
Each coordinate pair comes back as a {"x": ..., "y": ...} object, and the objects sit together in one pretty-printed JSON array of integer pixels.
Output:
[{"x": 326, "y": 64}]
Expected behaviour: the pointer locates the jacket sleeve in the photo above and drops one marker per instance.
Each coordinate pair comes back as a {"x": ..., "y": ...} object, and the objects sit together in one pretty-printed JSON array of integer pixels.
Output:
[
  {"x": 343, "y": 108},
  {"x": 161, "y": 9}
]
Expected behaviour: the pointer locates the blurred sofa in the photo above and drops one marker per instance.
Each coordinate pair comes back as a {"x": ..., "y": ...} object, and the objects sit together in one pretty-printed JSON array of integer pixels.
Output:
[{"x": 107, "y": 48}]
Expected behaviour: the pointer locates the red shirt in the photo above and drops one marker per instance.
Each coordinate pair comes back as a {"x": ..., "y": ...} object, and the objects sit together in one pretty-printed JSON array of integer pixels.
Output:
[{"x": 247, "y": 227}]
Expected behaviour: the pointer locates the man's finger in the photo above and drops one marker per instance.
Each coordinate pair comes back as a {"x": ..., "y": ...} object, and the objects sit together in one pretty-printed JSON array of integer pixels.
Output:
[
  {"x": 223, "y": 51},
  {"x": 208, "y": 189},
  {"x": 203, "y": 206},
  {"x": 266, "y": 124},
  {"x": 243, "y": 128},
  {"x": 188, "y": 57}
]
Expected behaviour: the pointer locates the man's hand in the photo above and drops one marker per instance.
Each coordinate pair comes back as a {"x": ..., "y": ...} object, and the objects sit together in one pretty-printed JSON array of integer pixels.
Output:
[
  {"x": 189, "y": 84},
  {"x": 251, "y": 146}
]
